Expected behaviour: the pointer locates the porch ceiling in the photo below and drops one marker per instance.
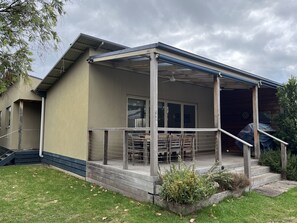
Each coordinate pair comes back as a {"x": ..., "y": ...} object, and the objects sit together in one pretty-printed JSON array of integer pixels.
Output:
[
  {"x": 169, "y": 72},
  {"x": 178, "y": 65}
]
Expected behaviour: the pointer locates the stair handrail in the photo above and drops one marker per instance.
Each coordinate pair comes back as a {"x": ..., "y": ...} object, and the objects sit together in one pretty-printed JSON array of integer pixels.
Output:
[
  {"x": 273, "y": 137},
  {"x": 283, "y": 152},
  {"x": 246, "y": 153}
]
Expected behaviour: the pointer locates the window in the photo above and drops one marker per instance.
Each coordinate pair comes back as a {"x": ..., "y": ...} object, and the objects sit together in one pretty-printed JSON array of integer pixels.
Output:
[
  {"x": 136, "y": 112},
  {"x": 170, "y": 114},
  {"x": 189, "y": 116},
  {"x": 8, "y": 116},
  {"x": 174, "y": 115},
  {"x": 161, "y": 113}
]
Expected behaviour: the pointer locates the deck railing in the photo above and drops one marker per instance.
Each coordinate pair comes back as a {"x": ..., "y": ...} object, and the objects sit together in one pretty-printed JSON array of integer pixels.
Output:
[
  {"x": 203, "y": 136},
  {"x": 105, "y": 134},
  {"x": 246, "y": 153},
  {"x": 283, "y": 152}
]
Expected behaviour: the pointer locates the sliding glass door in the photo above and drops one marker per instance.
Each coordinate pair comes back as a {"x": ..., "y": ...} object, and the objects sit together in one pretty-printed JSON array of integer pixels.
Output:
[
  {"x": 174, "y": 115},
  {"x": 189, "y": 116},
  {"x": 170, "y": 114}
]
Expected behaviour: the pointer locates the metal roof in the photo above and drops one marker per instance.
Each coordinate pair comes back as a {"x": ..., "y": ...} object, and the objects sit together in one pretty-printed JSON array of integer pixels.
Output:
[
  {"x": 114, "y": 50},
  {"x": 76, "y": 49}
]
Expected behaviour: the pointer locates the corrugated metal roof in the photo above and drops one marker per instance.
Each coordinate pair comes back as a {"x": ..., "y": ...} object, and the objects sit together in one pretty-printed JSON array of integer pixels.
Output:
[{"x": 76, "y": 49}]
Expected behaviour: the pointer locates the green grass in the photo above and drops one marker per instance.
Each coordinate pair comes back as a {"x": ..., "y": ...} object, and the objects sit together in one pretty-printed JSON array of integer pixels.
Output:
[{"x": 40, "y": 194}]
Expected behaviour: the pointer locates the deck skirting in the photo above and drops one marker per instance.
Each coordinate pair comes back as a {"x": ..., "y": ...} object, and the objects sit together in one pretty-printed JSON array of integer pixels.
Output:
[
  {"x": 131, "y": 184},
  {"x": 66, "y": 163},
  {"x": 27, "y": 157}
]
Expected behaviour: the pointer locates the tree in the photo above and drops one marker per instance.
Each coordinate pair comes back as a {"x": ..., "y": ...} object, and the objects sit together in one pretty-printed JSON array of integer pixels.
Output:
[
  {"x": 25, "y": 24},
  {"x": 287, "y": 120}
]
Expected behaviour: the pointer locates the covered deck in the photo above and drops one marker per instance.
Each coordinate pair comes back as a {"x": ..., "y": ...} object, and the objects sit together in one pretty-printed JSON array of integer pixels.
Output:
[{"x": 165, "y": 64}]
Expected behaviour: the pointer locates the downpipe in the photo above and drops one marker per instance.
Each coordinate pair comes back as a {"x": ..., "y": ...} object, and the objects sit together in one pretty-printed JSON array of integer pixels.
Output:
[{"x": 41, "y": 128}]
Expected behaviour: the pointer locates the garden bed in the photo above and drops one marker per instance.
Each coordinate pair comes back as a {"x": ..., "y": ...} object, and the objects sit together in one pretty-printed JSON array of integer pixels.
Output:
[{"x": 186, "y": 209}]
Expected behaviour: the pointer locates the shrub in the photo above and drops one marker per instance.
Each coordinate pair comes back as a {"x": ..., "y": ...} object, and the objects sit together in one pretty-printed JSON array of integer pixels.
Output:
[
  {"x": 239, "y": 181},
  {"x": 286, "y": 121},
  {"x": 180, "y": 184},
  {"x": 228, "y": 181},
  {"x": 292, "y": 167},
  {"x": 222, "y": 178},
  {"x": 272, "y": 158}
]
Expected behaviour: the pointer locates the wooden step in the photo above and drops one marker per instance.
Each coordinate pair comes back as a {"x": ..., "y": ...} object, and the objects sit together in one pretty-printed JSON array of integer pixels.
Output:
[
  {"x": 263, "y": 179},
  {"x": 255, "y": 170}
]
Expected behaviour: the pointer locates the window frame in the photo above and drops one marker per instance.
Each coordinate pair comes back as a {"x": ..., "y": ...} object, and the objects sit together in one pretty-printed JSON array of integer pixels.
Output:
[{"x": 147, "y": 106}]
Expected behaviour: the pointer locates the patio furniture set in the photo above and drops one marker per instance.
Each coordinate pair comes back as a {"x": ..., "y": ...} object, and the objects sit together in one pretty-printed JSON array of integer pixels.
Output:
[{"x": 170, "y": 147}]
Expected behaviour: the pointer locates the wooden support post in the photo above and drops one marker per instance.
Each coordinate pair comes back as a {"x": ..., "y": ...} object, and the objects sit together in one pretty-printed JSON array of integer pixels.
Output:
[
  {"x": 284, "y": 160},
  {"x": 21, "y": 113},
  {"x": 217, "y": 119},
  {"x": 153, "y": 114},
  {"x": 247, "y": 160},
  {"x": 125, "y": 150},
  {"x": 105, "y": 152},
  {"x": 90, "y": 137},
  {"x": 256, "y": 123}
]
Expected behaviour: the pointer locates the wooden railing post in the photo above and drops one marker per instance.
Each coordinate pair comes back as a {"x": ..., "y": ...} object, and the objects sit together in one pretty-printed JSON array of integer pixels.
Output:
[
  {"x": 284, "y": 160},
  {"x": 125, "y": 150},
  {"x": 247, "y": 160},
  {"x": 217, "y": 119},
  {"x": 256, "y": 123},
  {"x": 90, "y": 136},
  {"x": 105, "y": 155}
]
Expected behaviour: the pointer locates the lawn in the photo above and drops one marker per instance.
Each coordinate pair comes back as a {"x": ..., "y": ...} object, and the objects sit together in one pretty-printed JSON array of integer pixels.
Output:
[{"x": 38, "y": 193}]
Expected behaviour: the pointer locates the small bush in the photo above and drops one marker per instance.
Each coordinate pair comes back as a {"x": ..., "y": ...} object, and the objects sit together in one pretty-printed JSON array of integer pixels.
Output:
[
  {"x": 182, "y": 185},
  {"x": 228, "y": 181},
  {"x": 292, "y": 167},
  {"x": 239, "y": 181},
  {"x": 272, "y": 158},
  {"x": 222, "y": 178}
]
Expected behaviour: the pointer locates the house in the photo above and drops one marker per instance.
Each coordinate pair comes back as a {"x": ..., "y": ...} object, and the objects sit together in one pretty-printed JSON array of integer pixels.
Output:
[
  {"x": 100, "y": 92},
  {"x": 20, "y": 111}
]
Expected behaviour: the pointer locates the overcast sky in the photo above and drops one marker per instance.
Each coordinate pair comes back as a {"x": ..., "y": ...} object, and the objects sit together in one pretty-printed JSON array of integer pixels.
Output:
[{"x": 257, "y": 36}]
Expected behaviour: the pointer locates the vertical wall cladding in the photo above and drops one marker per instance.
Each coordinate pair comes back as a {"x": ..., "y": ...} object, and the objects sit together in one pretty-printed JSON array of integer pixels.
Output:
[
  {"x": 66, "y": 112},
  {"x": 110, "y": 88}
]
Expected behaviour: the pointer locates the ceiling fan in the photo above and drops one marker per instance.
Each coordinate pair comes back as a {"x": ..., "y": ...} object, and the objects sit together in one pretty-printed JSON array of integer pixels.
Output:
[{"x": 173, "y": 79}]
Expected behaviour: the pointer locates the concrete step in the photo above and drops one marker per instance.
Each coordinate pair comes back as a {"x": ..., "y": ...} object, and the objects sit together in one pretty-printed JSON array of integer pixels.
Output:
[
  {"x": 255, "y": 170},
  {"x": 263, "y": 179},
  {"x": 276, "y": 188}
]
